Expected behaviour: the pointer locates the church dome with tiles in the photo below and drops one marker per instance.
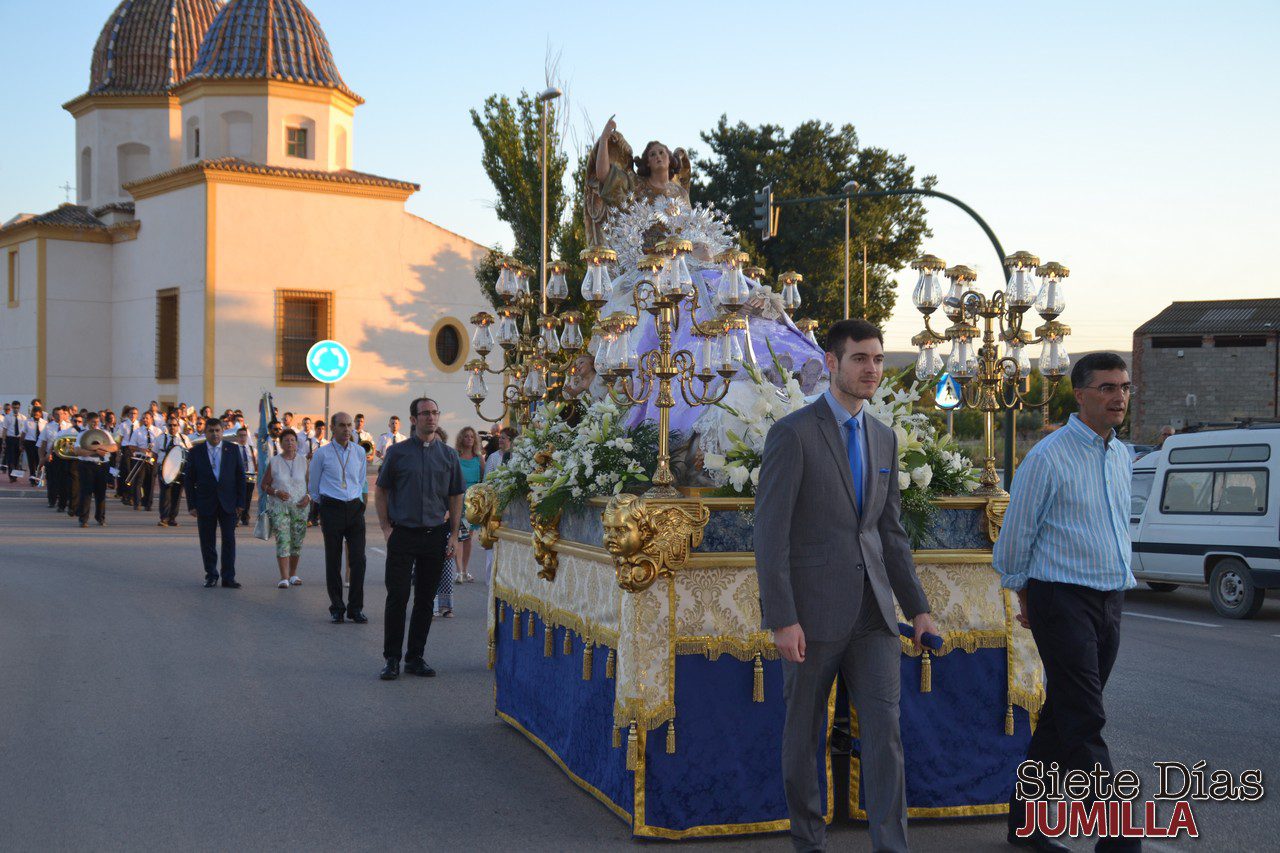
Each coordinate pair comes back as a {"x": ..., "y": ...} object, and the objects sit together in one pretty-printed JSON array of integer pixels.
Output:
[
  {"x": 268, "y": 40},
  {"x": 148, "y": 46}
]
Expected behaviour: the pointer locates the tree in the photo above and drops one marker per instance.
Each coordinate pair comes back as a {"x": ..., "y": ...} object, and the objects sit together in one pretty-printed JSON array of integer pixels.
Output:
[
  {"x": 817, "y": 159},
  {"x": 512, "y": 138}
]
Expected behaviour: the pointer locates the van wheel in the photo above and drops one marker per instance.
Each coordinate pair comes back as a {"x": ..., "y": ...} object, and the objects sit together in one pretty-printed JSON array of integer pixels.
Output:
[
  {"x": 1233, "y": 592},
  {"x": 1161, "y": 587}
]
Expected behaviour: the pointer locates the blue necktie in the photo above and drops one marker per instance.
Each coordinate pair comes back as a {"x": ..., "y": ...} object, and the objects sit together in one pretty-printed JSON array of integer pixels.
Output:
[{"x": 855, "y": 461}]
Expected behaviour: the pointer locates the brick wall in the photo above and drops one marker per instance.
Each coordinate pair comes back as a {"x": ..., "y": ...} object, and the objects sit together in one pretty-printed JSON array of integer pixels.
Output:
[{"x": 1228, "y": 382}]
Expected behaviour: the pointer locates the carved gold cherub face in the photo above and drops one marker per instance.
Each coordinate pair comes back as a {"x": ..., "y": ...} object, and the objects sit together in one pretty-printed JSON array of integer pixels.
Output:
[
  {"x": 479, "y": 503},
  {"x": 622, "y": 535}
]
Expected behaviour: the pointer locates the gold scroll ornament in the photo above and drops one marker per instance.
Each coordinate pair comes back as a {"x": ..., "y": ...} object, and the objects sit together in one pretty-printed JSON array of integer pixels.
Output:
[
  {"x": 995, "y": 510},
  {"x": 481, "y": 509},
  {"x": 546, "y": 534},
  {"x": 651, "y": 538}
]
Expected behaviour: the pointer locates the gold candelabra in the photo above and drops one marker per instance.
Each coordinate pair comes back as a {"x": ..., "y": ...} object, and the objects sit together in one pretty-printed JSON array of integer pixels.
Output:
[
  {"x": 538, "y": 349},
  {"x": 634, "y": 378},
  {"x": 992, "y": 382}
]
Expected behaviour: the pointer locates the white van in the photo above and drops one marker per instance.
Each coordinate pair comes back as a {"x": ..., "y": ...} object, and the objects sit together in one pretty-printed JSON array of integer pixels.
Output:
[{"x": 1206, "y": 511}]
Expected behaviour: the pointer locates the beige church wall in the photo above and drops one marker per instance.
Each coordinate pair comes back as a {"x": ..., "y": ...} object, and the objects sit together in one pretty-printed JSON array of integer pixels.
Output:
[
  {"x": 394, "y": 277},
  {"x": 79, "y": 323},
  {"x": 18, "y": 325},
  {"x": 169, "y": 252},
  {"x": 105, "y": 129},
  {"x": 220, "y": 138},
  {"x": 322, "y": 120}
]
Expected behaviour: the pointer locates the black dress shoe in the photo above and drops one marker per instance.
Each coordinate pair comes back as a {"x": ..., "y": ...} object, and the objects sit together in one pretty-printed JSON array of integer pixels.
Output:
[
  {"x": 357, "y": 617},
  {"x": 391, "y": 671},
  {"x": 210, "y": 583},
  {"x": 84, "y": 524},
  {"x": 1038, "y": 842},
  {"x": 232, "y": 584},
  {"x": 336, "y": 618},
  {"x": 418, "y": 667}
]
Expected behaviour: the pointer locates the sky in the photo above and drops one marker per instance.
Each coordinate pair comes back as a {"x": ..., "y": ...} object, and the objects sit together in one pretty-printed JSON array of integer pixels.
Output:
[{"x": 1134, "y": 142}]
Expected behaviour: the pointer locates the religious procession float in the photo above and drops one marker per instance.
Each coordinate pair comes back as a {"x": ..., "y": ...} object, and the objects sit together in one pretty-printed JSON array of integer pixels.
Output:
[{"x": 624, "y": 626}]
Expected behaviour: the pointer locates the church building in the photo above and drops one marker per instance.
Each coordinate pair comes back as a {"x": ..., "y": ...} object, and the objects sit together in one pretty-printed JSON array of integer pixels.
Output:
[{"x": 220, "y": 230}]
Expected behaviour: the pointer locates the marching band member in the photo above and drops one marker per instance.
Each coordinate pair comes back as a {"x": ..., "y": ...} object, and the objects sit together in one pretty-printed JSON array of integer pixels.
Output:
[
  {"x": 360, "y": 433},
  {"x": 92, "y": 466},
  {"x": 249, "y": 459},
  {"x": 273, "y": 443},
  {"x": 171, "y": 493},
  {"x": 44, "y": 446},
  {"x": 388, "y": 439},
  {"x": 14, "y": 424},
  {"x": 68, "y": 473},
  {"x": 318, "y": 440},
  {"x": 31, "y": 433},
  {"x": 124, "y": 438},
  {"x": 145, "y": 442}
]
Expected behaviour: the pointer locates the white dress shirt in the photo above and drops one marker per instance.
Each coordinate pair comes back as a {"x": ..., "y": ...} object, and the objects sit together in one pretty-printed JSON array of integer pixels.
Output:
[
  {"x": 146, "y": 438},
  {"x": 338, "y": 472},
  {"x": 50, "y": 435},
  {"x": 167, "y": 442},
  {"x": 14, "y": 422},
  {"x": 124, "y": 431},
  {"x": 249, "y": 454},
  {"x": 34, "y": 428},
  {"x": 386, "y": 440}
]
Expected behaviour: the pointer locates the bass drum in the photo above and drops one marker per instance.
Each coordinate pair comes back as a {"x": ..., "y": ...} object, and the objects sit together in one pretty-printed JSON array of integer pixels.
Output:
[{"x": 174, "y": 461}]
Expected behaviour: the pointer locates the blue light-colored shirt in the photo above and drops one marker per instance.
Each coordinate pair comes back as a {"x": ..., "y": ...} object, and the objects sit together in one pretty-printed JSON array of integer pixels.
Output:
[
  {"x": 326, "y": 477},
  {"x": 1068, "y": 515},
  {"x": 841, "y": 414}
]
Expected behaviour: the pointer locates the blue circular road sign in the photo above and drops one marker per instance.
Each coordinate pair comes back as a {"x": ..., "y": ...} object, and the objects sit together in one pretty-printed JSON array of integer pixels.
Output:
[
  {"x": 328, "y": 361},
  {"x": 948, "y": 393}
]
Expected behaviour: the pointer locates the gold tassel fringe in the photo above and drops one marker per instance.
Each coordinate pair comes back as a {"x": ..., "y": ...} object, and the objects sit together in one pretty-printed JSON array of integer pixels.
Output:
[
  {"x": 548, "y": 641},
  {"x": 493, "y": 653},
  {"x": 926, "y": 673},
  {"x": 515, "y": 624},
  {"x": 671, "y": 738},
  {"x": 1008, "y": 721},
  {"x": 617, "y": 737},
  {"x": 502, "y": 613},
  {"x": 757, "y": 690},
  {"x": 587, "y": 661},
  {"x": 568, "y": 641},
  {"x": 611, "y": 665},
  {"x": 633, "y": 748},
  {"x": 530, "y": 631}
]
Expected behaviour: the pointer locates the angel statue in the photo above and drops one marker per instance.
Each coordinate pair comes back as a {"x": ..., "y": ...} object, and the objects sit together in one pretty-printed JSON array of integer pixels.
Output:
[{"x": 632, "y": 203}]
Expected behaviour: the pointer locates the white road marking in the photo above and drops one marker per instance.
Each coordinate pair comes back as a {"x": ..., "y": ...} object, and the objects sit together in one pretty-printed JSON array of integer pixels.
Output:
[{"x": 1179, "y": 621}]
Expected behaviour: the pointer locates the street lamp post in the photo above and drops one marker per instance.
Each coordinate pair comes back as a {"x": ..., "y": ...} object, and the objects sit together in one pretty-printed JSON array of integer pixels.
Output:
[
  {"x": 849, "y": 189},
  {"x": 545, "y": 97}
]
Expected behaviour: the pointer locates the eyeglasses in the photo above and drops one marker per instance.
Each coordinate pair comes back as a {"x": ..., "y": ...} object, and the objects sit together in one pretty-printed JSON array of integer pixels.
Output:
[
  {"x": 435, "y": 413},
  {"x": 1110, "y": 388}
]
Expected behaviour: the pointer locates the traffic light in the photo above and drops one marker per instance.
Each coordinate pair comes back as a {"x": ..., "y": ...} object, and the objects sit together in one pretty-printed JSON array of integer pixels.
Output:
[{"x": 764, "y": 221}]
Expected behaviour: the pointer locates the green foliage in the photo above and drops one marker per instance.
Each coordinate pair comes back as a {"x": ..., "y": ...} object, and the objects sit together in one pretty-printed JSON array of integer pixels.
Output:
[
  {"x": 817, "y": 159},
  {"x": 511, "y": 134}
]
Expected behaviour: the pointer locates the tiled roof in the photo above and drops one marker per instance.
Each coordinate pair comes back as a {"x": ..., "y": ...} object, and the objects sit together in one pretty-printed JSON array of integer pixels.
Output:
[
  {"x": 148, "y": 46},
  {"x": 268, "y": 39},
  {"x": 1220, "y": 316},
  {"x": 114, "y": 207},
  {"x": 235, "y": 164},
  {"x": 73, "y": 216}
]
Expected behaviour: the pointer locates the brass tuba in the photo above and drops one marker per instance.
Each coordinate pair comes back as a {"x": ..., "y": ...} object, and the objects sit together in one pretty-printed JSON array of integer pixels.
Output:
[
  {"x": 87, "y": 440},
  {"x": 368, "y": 448}
]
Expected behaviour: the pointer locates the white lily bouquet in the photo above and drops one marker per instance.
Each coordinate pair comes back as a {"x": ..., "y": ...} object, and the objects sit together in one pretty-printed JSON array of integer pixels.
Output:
[
  {"x": 930, "y": 463},
  {"x": 560, "y": 466}
]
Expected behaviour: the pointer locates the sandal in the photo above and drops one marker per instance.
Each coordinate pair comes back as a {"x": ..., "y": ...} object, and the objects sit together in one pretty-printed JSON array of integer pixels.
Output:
[
  {"x": 295, "y": 581},
  {"x": 447, "y": 613},
  {"x": 282, "y": 585}
]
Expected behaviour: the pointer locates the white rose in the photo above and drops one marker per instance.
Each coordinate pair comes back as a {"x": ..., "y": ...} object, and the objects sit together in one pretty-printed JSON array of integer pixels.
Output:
[
  {"x": 922, "y": 476},
  {"x": 714, "y": 461},
  {"x": 904, "y": 480}
]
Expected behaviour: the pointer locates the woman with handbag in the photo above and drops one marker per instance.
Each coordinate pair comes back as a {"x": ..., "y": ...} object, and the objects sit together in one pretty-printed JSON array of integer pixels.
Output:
[{"x": 284, "y": 484}]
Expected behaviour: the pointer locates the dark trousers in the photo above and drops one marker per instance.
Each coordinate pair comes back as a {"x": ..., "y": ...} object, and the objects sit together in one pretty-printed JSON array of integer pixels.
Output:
[
  {"x": 170, "y": 497},
  {"x": 248, "y": 502},
  {"x": 343, "y": 521},
  {"x": 144, "y": 484},
  {"x": 209, "y": 525},
  {"x": 33, "y": 460},
  {"x": 415, "y": 559},
  {"x": 52, "y": 480},
  {"x": 71, "y": 479},
  {"x": 123, "y": 464},
  {"x": 13, "y": 454},
  {"x": 93, "y": 488},
  {"x": 1077, "y": 633}
]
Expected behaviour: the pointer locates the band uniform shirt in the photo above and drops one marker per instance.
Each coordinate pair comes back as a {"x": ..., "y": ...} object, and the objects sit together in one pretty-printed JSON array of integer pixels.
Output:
[
  {"x": 146, "y": 438},
  {"x": 33, "y": 429},
  {"x": 50, "y": 435},
  {"x": 94, "y": 459},
  {"x": 420, "y": 477},
  {"x": 249, "y": 456},
  {"x": 338, "y": 473},
  {"x": 386, "y": 441},
  {"x": 168, "y": 442},
  {"x": 1068, "y": 515},
  {"x": 14, "y": 422},
  {"x": 124, "y": 432}
]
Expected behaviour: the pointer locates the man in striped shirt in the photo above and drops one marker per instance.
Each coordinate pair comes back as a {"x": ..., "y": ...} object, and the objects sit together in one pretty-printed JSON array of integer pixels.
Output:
[{"x": 1064, "y": 548}]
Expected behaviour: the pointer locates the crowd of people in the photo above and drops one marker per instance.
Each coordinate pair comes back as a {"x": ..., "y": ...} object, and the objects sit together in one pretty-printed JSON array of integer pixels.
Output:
[{"x": 306, "y": 473}]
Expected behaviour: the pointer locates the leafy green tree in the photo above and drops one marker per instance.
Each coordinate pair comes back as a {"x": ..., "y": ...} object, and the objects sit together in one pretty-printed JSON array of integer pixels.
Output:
[
  {"x": 512, "y": 137},
  {"x": 817, "y": 159}
]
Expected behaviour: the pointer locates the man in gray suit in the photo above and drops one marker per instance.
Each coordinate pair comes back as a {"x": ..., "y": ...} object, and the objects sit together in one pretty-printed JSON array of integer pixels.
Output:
[{"x": 831, "y": 554}]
